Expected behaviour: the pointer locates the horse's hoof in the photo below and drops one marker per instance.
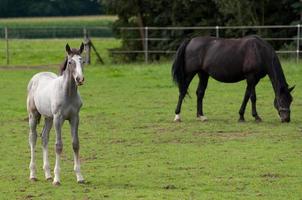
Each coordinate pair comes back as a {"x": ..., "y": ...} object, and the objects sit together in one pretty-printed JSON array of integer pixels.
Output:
[
  {"x": 49, "y": 179},
  {"x": 241, "y": 120},
  {"x": 202, "y": 118},
  {"x": 33, "y": 179},
  {"x": 56, "y": 183},
  {"x": 258, "y": 119},
  {"x": 177, "y": 118},
  {"x": 81, "y": 181}
]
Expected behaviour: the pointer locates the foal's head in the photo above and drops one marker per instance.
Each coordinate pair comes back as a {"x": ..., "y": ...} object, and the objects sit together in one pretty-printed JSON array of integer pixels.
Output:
[
  {"x": 73, "y": 64},
  {"x": 282, "y": 103}
]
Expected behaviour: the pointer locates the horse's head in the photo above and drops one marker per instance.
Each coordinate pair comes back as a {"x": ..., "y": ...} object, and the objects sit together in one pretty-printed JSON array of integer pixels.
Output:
[
  {"x": 74, "y": 63},
  {"x": 282, "y": 103}
]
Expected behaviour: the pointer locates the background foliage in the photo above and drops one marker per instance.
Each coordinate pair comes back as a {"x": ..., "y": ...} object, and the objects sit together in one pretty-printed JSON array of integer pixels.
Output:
[
  {"x": 201, "y": 13},
  {"x": 22, "y": 8}
]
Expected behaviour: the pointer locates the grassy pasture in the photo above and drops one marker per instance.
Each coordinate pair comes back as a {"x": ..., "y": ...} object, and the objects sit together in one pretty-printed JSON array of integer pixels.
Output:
[
  {"x": 88, "y": 21},
  {"x": 37, "y": 52},
  {"x": 131, "y": 149}
]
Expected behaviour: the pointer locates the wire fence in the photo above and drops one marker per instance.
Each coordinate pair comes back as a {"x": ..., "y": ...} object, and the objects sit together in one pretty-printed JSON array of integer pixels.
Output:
[
  {"x": 20, "y": 46},
  {"x": 290, "y": 44},
  {"x": 45, "y": 45}
]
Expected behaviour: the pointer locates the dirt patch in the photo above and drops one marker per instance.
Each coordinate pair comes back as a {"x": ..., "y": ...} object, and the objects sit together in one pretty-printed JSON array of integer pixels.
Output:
[
  {"x": 225, "y": 135},
  {"x": 169, "y": 187}
]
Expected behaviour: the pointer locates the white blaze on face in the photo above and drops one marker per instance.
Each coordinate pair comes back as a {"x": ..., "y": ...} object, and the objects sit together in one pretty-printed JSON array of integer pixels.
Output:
[{"x": 78, "y": 70}]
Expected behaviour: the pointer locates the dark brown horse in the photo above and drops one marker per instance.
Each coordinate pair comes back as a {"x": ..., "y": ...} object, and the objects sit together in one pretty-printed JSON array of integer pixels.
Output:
[{"x": 230, "y": 61}]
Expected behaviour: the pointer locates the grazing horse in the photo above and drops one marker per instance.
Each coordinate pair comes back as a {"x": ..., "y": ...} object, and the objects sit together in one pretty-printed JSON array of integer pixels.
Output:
[
  {"x": 57, "y": 99},
  {"x": 230, "y": 61}
]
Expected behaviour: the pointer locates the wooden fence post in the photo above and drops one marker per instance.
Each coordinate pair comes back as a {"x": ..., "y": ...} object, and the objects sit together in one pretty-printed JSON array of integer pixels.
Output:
[{"x": 7, "y": 47}]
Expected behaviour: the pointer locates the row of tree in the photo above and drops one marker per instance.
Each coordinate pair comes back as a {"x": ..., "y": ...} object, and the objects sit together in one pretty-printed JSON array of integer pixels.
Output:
[
  {"x": 139, "y": 13},
  {"x": 30, "y": 8}
]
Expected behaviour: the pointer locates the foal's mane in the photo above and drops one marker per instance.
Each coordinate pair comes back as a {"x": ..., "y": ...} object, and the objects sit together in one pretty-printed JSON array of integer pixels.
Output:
[{"x": 63, "y": 66}]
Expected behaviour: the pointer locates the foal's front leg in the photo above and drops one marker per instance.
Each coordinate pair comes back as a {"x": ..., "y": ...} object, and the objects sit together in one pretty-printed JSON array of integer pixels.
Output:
[
  {"x": 58, "y": 122},
  {"x": 74, "y": 123}
]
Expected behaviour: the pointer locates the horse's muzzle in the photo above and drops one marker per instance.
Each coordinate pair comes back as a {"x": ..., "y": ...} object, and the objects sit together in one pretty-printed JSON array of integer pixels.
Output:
[
  {"x": 80, "y": 81},
  {"x": 285, "y": 120}
]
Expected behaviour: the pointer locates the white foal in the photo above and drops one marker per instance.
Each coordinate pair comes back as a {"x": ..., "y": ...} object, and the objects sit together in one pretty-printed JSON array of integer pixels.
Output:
[{"x": 57, "y": 99}]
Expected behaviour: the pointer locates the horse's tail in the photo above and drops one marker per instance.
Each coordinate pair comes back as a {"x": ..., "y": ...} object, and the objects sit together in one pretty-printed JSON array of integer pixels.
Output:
[{"x": 178, "y": 67}]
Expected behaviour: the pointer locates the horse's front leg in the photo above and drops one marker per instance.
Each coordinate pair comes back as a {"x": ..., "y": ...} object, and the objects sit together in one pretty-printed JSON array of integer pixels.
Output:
[
  {"x": 58, "y": 122},
  {"x": 74, "y": 124},
  {"x": 253, "y": 100}
]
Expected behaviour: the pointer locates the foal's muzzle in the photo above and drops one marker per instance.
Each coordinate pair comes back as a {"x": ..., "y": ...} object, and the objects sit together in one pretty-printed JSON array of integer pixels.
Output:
[{"x": 80, "y": 80}]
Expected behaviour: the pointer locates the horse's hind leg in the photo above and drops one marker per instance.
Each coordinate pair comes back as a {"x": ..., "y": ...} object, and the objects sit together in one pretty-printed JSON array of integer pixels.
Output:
[
  {"x": 45, "y": 138},
  {"x": 58, "y": 122},
  {"x": 244, "y": 102},
  {"x": 202, "y": 86},
  {"x": 33, "y": 121},
  {"x": 74, "y": 123},
  {"x": 182, "y": 93}
]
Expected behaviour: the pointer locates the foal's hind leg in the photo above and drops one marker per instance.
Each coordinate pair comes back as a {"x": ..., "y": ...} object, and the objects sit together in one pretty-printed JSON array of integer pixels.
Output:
[
  {"x": 74, "y": 123},
  {"x": 58, "y": 122},
  {"x": 182, "y": 93},
  {"x": 45, "y": 138},
  {"x": 202, "y": 86},
  {"x": 33, "y": 121}
]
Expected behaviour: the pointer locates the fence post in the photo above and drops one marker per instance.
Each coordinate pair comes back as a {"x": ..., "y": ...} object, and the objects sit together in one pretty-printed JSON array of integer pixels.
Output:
[
  {"x": 7, "y": 48},
  {"x": 87, "y": 46},
  {"x": 146, "y": 45},
  {"x": 217, "y": 31},
  {"x": 298, "y": 42}
]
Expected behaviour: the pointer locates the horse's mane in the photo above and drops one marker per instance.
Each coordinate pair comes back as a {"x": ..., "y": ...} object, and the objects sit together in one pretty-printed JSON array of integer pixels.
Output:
[{"x": 63, "y": 66}]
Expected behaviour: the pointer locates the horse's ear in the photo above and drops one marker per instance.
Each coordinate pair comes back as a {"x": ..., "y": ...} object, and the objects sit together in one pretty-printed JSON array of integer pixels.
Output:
[
  {"x": 81, "y": 48},
  {"x": 291, "y": 88},
  {"x": 68, "y": 50}
]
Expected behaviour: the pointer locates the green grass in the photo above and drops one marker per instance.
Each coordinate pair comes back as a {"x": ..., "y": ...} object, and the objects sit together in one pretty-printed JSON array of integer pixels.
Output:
[
  {"x": 37, "y": 52},
  {"x": 131, "y": 149},
  {"x": 88, "y": 21}
]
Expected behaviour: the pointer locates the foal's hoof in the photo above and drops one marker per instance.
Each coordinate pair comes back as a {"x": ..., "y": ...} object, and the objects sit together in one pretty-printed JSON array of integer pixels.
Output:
[
  {"x": 33, "y": 179},
  {"x": 177, "y": 118},
  {"x": 202, "y": 118},
  {"x": 81, "y": 182},
  {"x": 48, "y": 179},
  {"x": 56, "y": 183}
]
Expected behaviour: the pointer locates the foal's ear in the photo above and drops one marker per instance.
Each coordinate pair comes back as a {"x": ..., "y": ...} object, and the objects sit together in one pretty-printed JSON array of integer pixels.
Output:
[
  {"x": 81, "y": 48},
  {"x": 68, "y": 50},
  {"x": 291, "y": 89}
]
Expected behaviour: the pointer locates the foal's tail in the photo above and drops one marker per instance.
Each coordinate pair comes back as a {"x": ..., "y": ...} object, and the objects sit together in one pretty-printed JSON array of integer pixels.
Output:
[{"x": 178, "y": 67}]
